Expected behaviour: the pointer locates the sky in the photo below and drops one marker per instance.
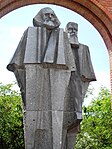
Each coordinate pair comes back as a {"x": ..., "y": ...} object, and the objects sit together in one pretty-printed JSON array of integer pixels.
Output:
[{"x": 16, "y": 22}]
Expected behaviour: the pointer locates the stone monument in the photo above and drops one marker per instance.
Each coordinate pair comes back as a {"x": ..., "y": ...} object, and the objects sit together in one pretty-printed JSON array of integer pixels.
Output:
[
  {"x": 81, "y": 77},
  {"x": 53, "y": 73}
]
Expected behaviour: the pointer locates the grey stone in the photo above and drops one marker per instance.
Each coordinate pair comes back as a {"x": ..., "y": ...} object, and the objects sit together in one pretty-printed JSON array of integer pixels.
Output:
[
  {"x": 53, "y": 71},
  {"x": 79, "y": 81},
  {"x": 72, "y": 30}
]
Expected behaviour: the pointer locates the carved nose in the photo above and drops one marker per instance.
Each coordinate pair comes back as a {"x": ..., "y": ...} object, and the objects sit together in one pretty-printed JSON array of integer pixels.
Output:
[
  {"x": 50, "y": 15},
  {"x": 73, "y": 30}
]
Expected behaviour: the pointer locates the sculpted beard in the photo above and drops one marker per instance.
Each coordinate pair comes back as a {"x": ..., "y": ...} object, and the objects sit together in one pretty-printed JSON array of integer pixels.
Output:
[
  {"x": 50, "y": 23},
  {"x": 73, "y": 36}
]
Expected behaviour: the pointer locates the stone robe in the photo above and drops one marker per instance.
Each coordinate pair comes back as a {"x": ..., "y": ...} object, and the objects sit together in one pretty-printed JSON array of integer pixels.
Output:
[
  {"x": 78, "y": 85},
  {"x": 45, "y": 69}
]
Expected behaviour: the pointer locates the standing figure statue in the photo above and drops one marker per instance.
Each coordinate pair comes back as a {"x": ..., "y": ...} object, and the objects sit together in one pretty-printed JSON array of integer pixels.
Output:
[
  {"x": 45, "y": 67},
  {"x": 84, "y": 68},
  {"x": 80, "y": 78}
]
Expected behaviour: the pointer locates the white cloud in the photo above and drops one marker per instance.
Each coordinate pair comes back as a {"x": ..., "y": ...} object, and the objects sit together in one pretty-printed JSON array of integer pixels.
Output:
[
  {"x": 9, "y": 37},
  {"x": 16, "y": 32},
  {"x": 6, "y": 76},
  {"x": 103, "y": 79}
]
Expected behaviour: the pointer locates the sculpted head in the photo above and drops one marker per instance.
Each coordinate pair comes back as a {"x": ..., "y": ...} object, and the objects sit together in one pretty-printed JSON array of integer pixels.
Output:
[
  {"x": 46, "y": 18},
  {"x": 72, "y": 28},
  {"x": 72, "y": 31}
]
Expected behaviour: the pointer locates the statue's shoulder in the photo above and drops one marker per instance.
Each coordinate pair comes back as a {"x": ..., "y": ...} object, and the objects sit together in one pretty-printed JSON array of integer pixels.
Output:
[
  {"x": 31, "y": 29},
  {"x": 83, "y": 47},
  {"x": 25, "y": 33}
]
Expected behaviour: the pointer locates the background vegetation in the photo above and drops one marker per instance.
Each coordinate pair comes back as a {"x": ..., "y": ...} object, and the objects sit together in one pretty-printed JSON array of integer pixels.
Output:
[
  {"x": 11, "y": 118},
  {"x": 96, "y": 127}
]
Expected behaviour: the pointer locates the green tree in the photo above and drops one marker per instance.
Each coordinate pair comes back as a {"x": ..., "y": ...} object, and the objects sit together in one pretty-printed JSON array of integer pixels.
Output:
[
  {"x": 11, "y": 118},
  {"x": 96, "y": 127}
]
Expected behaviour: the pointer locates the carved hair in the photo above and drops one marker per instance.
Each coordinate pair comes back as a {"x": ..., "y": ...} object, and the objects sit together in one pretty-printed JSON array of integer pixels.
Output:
[
  {"x": 72, "y": 24},
  {"x": 38, "y": 20}
]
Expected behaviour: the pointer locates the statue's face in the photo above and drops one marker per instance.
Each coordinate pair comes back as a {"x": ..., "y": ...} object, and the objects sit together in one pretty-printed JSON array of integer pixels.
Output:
[
  {"x": 49, "y": 19},
  {"x": 71, "y": 29},
  {"x": 46, "y": 18}
]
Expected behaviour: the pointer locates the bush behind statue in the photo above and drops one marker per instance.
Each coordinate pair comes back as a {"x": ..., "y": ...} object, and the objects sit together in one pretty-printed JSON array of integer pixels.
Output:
[
  {"x": 96, "y": 127},
  {"x": 11, "y": 118}
]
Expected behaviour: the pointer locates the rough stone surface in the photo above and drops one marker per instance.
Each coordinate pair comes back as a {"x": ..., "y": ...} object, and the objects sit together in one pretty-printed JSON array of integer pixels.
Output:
[{"x": 53, "y": 71}]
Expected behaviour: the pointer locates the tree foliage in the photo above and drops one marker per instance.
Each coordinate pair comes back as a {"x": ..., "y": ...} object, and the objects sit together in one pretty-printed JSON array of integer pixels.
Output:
[
  {"x": 11, "y": 118},
  {"x": 96, "y": 127}
]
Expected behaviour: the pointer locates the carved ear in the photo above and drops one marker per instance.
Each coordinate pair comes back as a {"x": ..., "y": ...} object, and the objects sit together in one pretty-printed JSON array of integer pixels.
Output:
[
  {"x": 37, "y": 20},
  {"x": 57, "y": 22},
  {"x": 34, "y": 22}
]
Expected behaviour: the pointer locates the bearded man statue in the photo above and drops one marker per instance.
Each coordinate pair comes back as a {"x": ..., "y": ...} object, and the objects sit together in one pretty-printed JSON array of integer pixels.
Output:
[{"x": 43, "y": 64}]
